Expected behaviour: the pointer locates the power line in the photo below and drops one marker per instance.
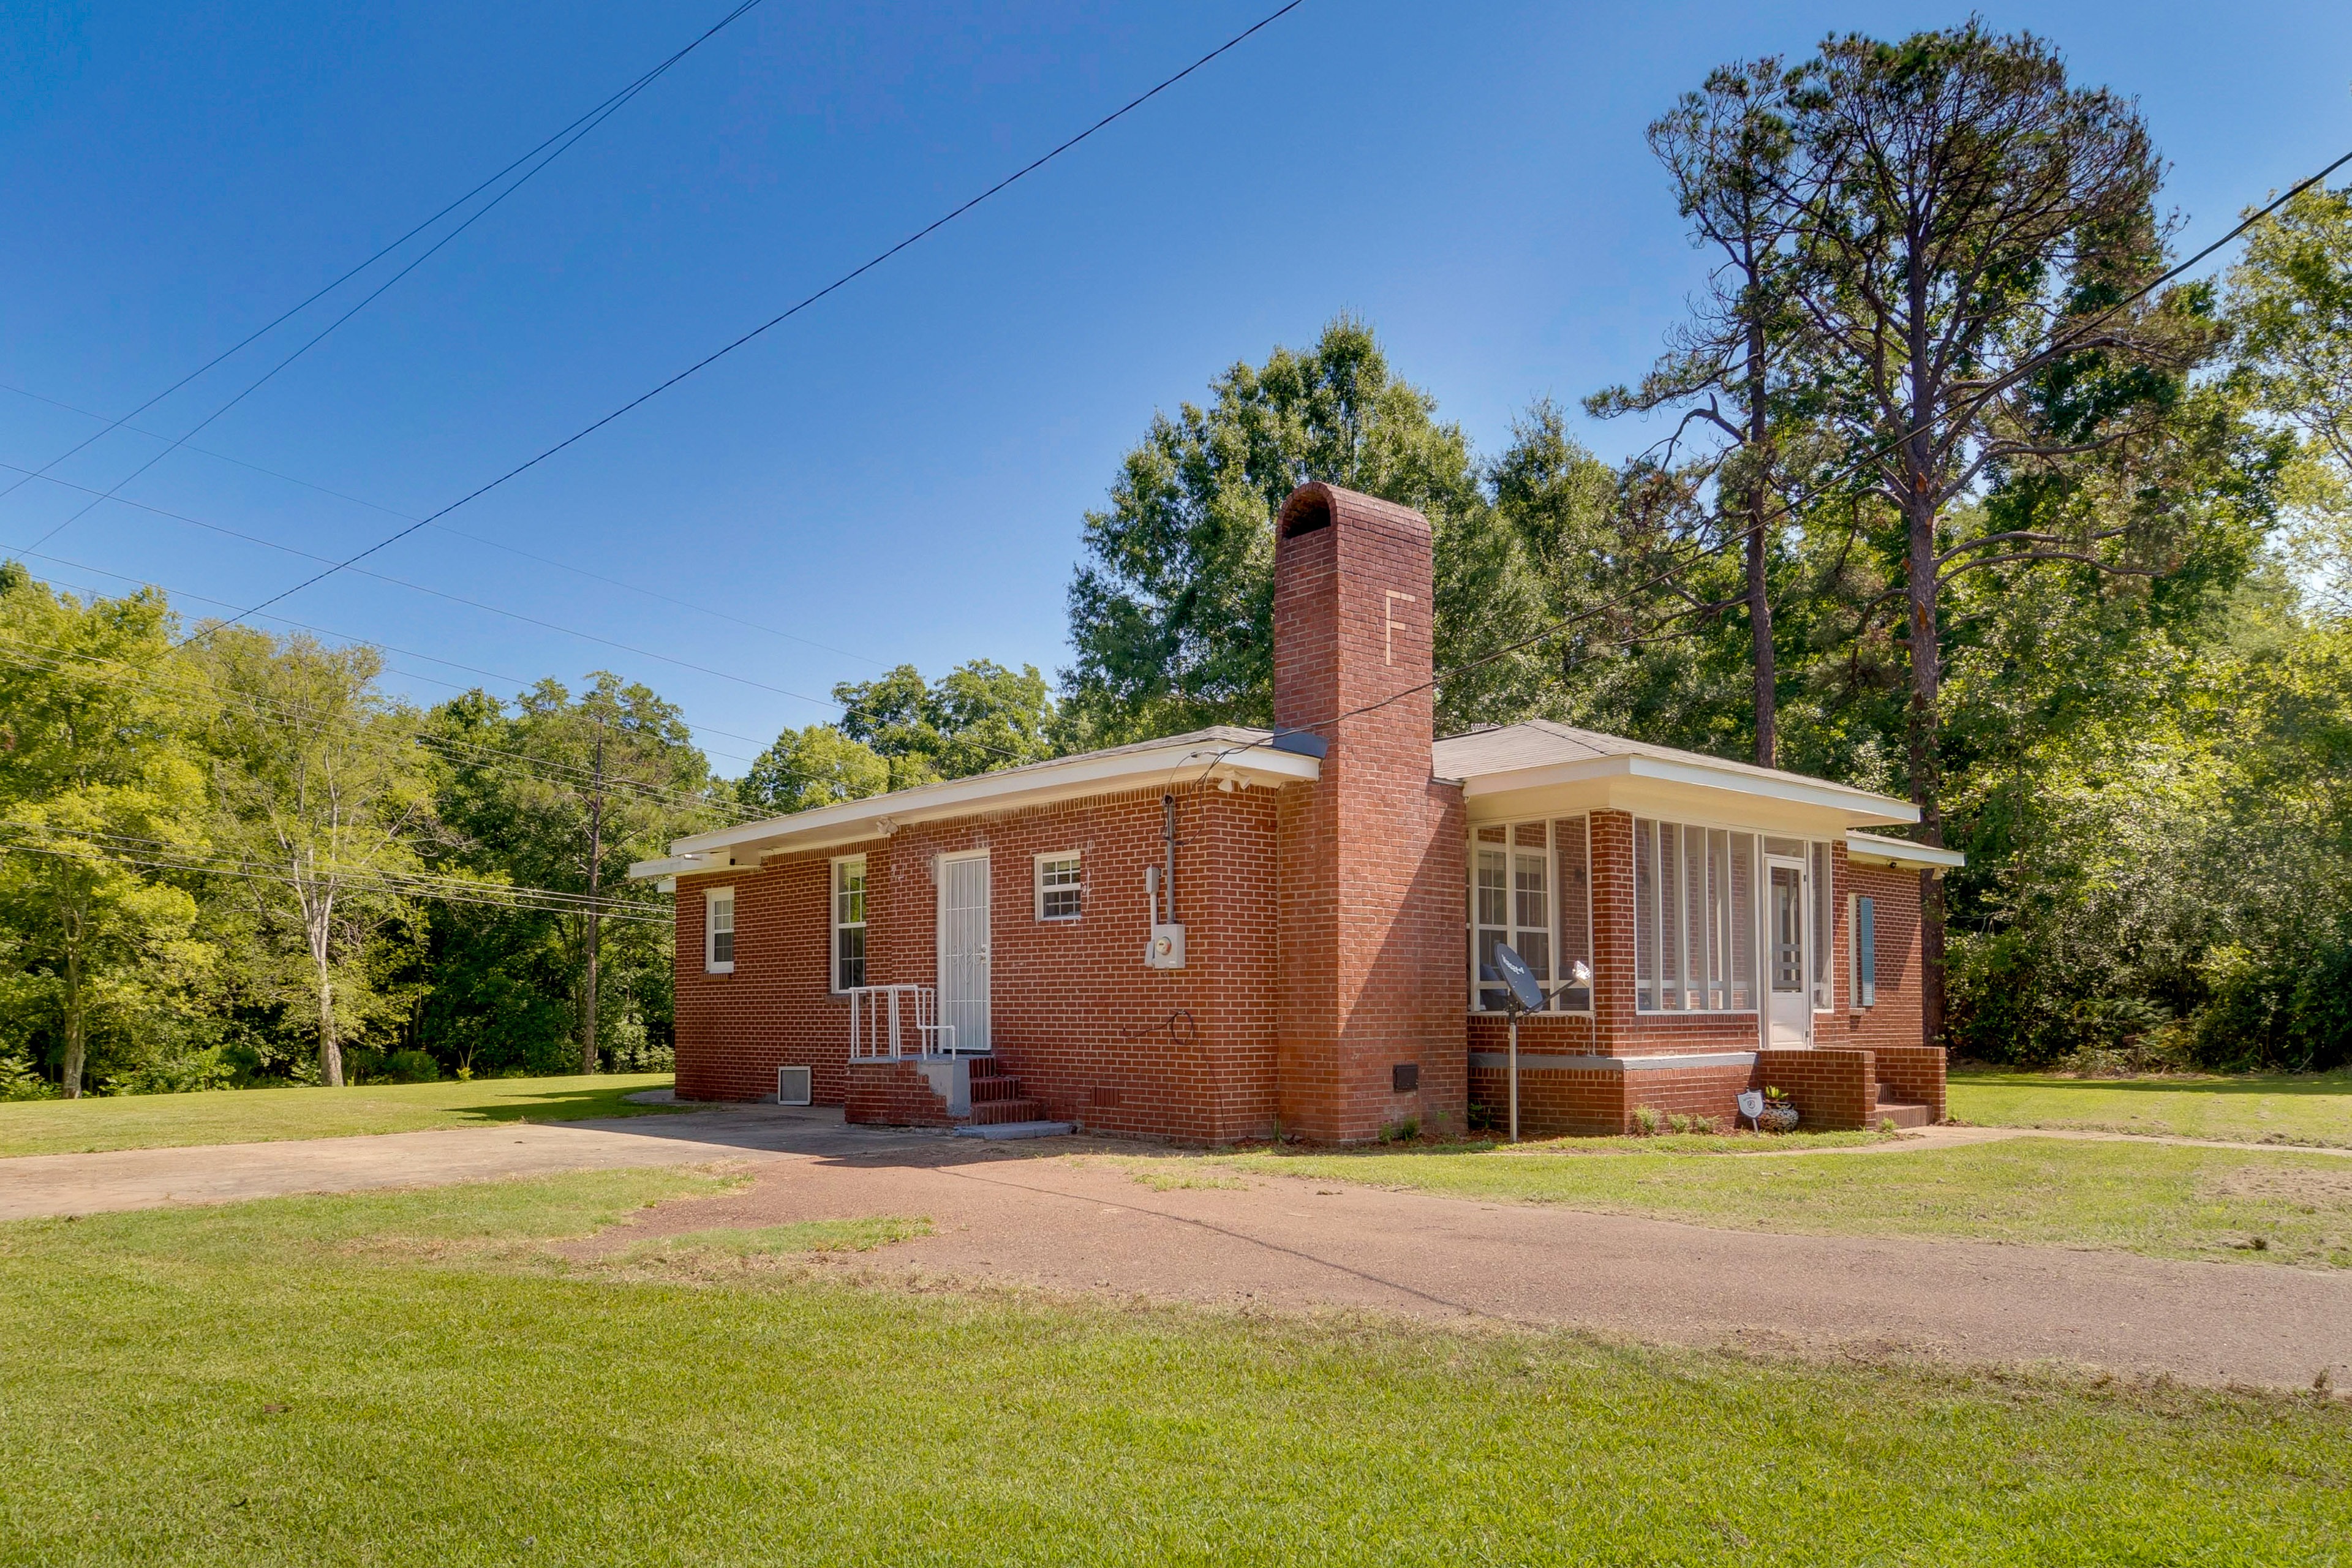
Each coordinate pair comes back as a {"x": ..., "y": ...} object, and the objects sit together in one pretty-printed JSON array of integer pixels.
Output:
[
  {"x": 781, "y": 316},
  {"x": 31, "y": 656},
  {"x": 574, "y": 130},
  {"x": 516, "y": 681},
  {"x": 491, "y": 894},
  {"x": 440, "y": 528}
]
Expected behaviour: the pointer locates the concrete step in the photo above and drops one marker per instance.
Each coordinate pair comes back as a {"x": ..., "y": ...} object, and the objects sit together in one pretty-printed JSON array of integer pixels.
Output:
[
  {"x": 1016, "y": 1130},
  {"x": 993, "y": 1112},
  {"x": 1903, "y": 1112}
]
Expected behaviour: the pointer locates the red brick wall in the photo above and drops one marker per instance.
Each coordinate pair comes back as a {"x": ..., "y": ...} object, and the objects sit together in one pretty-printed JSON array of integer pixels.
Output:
[
  {"x": 1912, "y": 1072},
  {"x": 1075, "y": 1015},
  {"x": 1896, "y": 1019},
  {"x": 776, "y": 1009},
  {"x": 1370, "y": 927},
  {"x": 1832, "y": 1088},
  {"x": 892, "y": 1094}
]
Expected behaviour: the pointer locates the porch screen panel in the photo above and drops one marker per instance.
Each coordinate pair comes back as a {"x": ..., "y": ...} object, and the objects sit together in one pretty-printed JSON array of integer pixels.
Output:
[
  {"x": 1743, "y": 922},
  {"x": 1718, "y": 919},
  {"x": 1531, "y": 897},
  {"x": 1572, "y": 852},
  {"x": 1646, "y": 913},
  {"x": 1695, "y": 918},
  {"x": 1490, "y": 914},
  {"x": 1824, "y": 930},
  {"x": 1670, "y": 911}
]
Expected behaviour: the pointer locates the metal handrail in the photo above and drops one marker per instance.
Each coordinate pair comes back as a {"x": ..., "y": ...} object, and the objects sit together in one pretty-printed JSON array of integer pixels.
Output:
[{"x": 894, "y": 1023}]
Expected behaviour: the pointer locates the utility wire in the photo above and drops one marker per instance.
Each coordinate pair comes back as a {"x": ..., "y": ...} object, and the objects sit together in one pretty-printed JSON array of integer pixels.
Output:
[
  {"x": 640, "y": 588},
  {"x": 781, "y": 316},
  {"x": 576, "y": 129}
]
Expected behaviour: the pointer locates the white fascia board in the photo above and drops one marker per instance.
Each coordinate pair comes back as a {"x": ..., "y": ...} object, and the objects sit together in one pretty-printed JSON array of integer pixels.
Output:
[
  {"x": 1630, "y": 781},
  {"x": 874, "y": 818},
  {"x": 1872, "y": 850},
  {"x": 673, "y": 866}
]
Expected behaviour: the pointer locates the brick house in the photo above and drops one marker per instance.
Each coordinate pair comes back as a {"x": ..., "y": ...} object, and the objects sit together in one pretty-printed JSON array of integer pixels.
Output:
[{"x": 1207, "y": 936}]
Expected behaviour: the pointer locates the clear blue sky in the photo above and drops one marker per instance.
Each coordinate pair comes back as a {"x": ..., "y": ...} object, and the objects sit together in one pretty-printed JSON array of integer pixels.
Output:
[{"x": 900, "y": 472}]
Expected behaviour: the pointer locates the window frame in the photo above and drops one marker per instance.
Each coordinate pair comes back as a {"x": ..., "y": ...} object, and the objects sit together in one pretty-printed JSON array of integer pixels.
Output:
[
  {"x": 1511, "y": 849},
  {"x": 711, "y": 899},
  {"x": 836, "y": 925},
  {"x": 1078, "y": 860},
  {"x": 1862, "y": 950}
]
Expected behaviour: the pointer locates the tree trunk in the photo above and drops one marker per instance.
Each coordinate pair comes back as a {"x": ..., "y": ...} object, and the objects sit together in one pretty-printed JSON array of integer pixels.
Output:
[
  {"x": 1759, "y": 632},
  {"x": 588, "y": 1003},
  {"x": 331, "y": 1048},
  {"x": 1927, "y": 751},
  {"x": 77, "y": 1027},
  {"x": 1759, "y": 599}
]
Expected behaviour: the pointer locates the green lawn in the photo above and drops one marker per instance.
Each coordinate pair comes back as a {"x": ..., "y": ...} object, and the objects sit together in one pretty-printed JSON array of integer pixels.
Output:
[
  {"x": 2164, "y": 1200},
  {"x": 417, "y": 1378},
  {"x": 2314, "y": 1108},
  {"x": 267, "y": 1115}
]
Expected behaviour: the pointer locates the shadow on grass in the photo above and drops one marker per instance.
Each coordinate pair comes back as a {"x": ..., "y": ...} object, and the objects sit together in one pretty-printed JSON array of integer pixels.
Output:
[{"x": 2311, "y": 1085}]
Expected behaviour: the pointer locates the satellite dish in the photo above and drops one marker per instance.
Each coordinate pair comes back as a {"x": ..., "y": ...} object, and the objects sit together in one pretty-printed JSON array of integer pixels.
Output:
[{"x": 1527, "y": 992}]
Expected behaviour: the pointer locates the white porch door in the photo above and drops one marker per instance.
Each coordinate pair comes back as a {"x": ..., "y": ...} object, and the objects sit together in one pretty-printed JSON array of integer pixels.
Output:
[
  {"x": 1790, "y": 1022},
  {"x": 963, "y": 949}
]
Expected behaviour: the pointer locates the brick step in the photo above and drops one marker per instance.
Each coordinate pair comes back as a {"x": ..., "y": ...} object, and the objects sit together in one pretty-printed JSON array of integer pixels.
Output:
[
  {"x": 1903, "y": 1112},
  {"x": 985, "y": 1066},
  {"x": 987, "y": 1089},
  {"x": 991, "y": 1112}
]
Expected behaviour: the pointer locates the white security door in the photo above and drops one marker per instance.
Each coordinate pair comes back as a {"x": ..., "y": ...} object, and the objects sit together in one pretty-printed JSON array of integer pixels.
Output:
[
  {"x": 963, "y": 949},
  {"x": 1792, "y": 1020}
]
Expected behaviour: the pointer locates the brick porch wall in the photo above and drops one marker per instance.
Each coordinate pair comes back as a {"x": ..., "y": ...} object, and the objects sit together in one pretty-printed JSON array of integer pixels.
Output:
[
  {"x": 891, "y": 1094},
  {"x": 1834, "y": 1089}
]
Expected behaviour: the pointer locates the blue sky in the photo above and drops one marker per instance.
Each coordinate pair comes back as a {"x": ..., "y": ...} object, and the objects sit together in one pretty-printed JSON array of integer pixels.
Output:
[{"x": 899, "y": 473}]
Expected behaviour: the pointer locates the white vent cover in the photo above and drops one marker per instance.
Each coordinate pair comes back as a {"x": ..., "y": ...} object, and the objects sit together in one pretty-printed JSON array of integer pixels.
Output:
[{"x": 792, "y": 1086}]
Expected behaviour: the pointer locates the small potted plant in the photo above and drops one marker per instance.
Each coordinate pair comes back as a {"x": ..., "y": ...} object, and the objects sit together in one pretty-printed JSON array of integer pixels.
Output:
[{"x": 1779, "y": 1115}]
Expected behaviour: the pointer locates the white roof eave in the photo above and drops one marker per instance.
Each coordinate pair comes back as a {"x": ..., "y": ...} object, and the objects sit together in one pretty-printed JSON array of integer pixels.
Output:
[
  {"x": 1048, "y": 783},
  {"x": 1859, "y": 807},
  {"x": 1873, "y": 850}
]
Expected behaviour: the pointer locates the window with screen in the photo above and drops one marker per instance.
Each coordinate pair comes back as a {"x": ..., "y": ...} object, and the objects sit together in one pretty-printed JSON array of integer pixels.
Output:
[
  {"x": 1529, "y": 889},
  {"x": 849, "y": 923},
  {"x": 1058, "y": 887},
  {"x": 718, "y": 931}
]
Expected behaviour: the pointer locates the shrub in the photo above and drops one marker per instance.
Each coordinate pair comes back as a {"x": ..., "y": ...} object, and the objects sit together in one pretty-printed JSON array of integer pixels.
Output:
[
  {"x": 1646, "y": 1120},
  {"x": 18, "y": 1080},
  {"x": 410, "y": 1067}
]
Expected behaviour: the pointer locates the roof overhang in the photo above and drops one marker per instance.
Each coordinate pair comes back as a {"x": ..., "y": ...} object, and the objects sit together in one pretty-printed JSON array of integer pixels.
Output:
[
  {"x": 1667, "y": 786},
  {"x": 1269, "y": 764},
  {"x": 1870, "y": 849}
]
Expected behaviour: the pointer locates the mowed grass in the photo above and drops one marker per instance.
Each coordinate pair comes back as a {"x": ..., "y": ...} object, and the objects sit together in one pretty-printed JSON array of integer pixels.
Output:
[
  {"x": 2277, "y": 1108},
  {"x": 267, "y": 1115},
  {"x": 423, "y": 1378},
  {"x": 2163, "y": 1200}
]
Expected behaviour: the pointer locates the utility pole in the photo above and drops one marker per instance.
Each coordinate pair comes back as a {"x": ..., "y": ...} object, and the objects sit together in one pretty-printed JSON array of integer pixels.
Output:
[{"x": 595, "y": 885}]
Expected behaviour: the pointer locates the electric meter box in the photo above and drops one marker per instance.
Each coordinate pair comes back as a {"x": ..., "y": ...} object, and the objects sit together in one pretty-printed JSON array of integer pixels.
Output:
[{"x": 1166, "y": 949}]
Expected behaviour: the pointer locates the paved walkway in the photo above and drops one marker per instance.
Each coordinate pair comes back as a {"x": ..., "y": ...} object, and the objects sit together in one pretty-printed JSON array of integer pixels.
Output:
[{"x": 1018, "y": 1215}]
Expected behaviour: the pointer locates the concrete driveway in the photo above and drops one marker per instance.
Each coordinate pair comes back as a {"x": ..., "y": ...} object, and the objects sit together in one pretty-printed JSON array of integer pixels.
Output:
[{"x": 1025, "y": 1214}]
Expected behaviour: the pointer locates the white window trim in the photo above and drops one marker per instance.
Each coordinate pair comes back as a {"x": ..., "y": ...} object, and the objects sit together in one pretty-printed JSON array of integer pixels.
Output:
[
  {"x": 1037, "y": 884},
  {"x": 833, "y": 925},
  {"x": 711, "y": 897},
  {"x": 1552, "y": 894}
]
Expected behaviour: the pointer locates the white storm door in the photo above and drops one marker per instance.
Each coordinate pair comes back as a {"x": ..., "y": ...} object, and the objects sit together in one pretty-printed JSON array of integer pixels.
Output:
[
  {"x": 963, "y": 949},
  {"x": 1791, "y": 1017}
]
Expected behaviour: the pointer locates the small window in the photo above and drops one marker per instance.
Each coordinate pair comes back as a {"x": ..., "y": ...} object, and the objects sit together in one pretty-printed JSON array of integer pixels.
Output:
[
  {"x": 1861, "y": 924},
  {"x": 1059, "y": 887},
  {"x": 718, "y": 931},
  {"x": 849, "y": 923}
]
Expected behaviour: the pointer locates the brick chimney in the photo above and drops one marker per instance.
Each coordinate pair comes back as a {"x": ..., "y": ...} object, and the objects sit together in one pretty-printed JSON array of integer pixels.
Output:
[{"x": 1371, "y": 1029}]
